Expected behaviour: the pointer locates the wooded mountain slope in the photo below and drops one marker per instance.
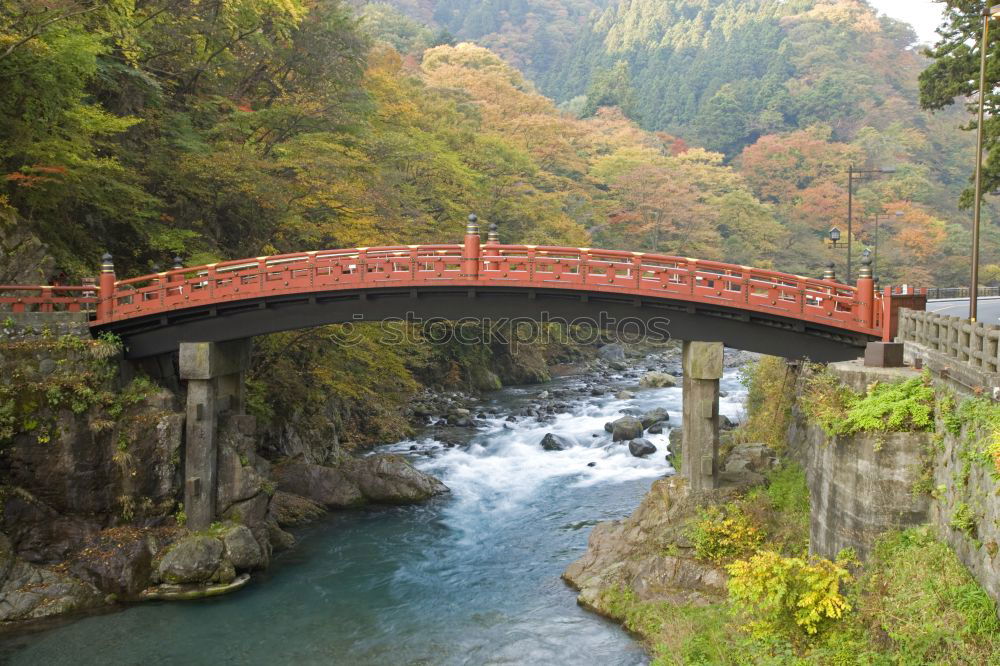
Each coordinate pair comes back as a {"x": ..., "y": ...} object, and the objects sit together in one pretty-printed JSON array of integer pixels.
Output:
[
  {"x": 754, "y": 79},
  {"x": 229, "y": 129}
]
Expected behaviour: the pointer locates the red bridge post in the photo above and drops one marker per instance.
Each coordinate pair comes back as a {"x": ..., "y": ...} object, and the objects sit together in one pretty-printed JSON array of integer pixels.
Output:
[
  {"x": 472, "y": 254},
  {"x": 106, "y": 289},
  {"x": 864, "y": 307}
]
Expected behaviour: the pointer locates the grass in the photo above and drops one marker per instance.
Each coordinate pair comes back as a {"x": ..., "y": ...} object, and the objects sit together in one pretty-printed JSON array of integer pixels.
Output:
[{"x": 913, "y": 603}]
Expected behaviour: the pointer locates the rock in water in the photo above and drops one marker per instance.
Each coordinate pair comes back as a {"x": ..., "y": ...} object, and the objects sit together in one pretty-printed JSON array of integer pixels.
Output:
[
  {"x": 656, "y": 428},
  {"x": 657, "y": 380},
  {"x": 609, "y": 427},
  {"x": 116, "y": 561},
  {"x": 657, "y": 415},
  {"x": 626, "y": 428},
  {"x": 195, "y": 559},
  {"x": 725, "y": 423},
  {"x": 330, "y": 487},
  {"x": 553, "y": 442},
  {"x": 289, "y": 510},
  {"x": 612, "y": 352},
  {"x": 640, "y": 448},
  {"x": 388, "y": 479},
  {"x": 241, "y": 548}
]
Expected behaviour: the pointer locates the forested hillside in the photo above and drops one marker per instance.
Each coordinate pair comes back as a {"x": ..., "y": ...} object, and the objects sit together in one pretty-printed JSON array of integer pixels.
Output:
[
  {"x": 711, "y": 128},
  {"x": 790, "y": 92}
]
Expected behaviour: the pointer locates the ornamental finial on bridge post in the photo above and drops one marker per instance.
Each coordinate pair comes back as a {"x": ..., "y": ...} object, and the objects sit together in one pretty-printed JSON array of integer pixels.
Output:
[
  {"x": 178, "y": 263},
  {"x": 866, "y": 267},
  {"x": 471, "y": 252},
  {"x": 830, "y": 274},
  {"x": 493, "y": 237},
  {"x": 106, "y": 289}
]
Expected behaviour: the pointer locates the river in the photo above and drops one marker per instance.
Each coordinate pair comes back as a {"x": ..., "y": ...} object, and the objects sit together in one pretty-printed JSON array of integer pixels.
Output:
[{"x": 469, "y": 578}]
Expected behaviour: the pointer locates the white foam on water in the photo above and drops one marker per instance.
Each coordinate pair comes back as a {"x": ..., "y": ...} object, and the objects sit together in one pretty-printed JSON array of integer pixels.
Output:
[{"x": 505, "y": 465}]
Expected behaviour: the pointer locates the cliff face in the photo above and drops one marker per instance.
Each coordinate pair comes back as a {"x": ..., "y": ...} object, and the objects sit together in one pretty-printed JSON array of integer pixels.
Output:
[
  {"x": 649, "y": 552},
  {"x": 91, "y": 486}
]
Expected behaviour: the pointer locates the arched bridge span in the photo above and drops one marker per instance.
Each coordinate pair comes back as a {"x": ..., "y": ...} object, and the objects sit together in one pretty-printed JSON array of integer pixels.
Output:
[{"x": 746, "y": 308}]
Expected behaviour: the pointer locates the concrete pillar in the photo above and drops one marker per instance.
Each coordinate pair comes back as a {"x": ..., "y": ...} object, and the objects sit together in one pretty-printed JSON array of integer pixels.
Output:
[
  {"x": 702, "y": 367},
  {"x": 213, "y": 373}
]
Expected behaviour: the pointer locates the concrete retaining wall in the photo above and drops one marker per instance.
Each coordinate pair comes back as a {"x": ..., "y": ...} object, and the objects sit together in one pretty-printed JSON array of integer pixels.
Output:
[{"x": 864, "y": 485}]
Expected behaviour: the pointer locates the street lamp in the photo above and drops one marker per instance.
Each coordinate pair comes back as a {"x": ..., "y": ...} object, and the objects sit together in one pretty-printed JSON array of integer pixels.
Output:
[
  {"x": 835, "y": 238},
  {"x": 852, "y": 175},
  {"x": 977, "y": 215}
]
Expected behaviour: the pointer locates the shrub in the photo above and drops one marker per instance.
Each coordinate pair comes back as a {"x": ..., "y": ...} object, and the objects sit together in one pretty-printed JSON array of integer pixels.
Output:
[
  {"x": 787, "y": 594},
  {"x": 897, "y": 407},
  {"x": 963, "y": 519},
  {"x": 905, "y": 406},
  {"x": 825, "y": 400},
  {"x": 724, "y": 532},
  {"x": 770, "y": 385}
]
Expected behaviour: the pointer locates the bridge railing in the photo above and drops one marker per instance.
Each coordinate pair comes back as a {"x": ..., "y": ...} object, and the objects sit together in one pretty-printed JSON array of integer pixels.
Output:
[
  {"x": 48, "y": 298},
  {"x": 854, "y": 308},
  {"x": 664, "y": 275}
]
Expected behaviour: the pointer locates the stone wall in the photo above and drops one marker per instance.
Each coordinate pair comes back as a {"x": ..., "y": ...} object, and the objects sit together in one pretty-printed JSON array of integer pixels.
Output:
[
  {"x": 859, "y": 486},
  {"x": 962, "y": 477},
  {"x": 15, "y": 326},
  {"x": 864, "y": 485}
]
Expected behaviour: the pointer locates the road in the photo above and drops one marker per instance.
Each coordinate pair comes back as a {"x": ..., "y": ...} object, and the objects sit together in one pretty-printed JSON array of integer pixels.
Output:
[{"x": 989, "y": 308}]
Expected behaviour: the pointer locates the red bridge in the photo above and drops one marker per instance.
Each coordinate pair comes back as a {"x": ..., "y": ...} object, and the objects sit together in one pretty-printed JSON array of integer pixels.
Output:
[{"x": 746, "y": 308}]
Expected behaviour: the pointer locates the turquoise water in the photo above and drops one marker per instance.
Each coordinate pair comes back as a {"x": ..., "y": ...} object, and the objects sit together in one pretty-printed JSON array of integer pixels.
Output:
[{"x": 469, "y": 578}]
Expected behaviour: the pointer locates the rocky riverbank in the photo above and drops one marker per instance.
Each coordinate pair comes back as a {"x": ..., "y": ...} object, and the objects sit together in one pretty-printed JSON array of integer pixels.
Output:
[
  {"x": 92, "y": 472},
  {"x": 651, "y": 552},
  {"x": 730, "y": 576},
  {"x": 92, "y": 482}
]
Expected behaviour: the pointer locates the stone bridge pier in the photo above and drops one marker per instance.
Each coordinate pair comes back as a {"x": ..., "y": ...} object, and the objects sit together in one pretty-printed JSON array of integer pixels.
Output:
[
  {"x": 702, "y": 364},
  {"x": 213, "y": 372}
]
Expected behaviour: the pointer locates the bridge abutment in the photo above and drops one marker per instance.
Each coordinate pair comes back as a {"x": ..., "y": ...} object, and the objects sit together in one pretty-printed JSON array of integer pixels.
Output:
[
  {"x": 213, "y": 372},
  {"x": 702, "y": 368}
]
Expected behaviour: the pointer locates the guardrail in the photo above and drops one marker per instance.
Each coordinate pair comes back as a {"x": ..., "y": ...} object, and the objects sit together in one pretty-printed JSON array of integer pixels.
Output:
[
  {"x": 959, "y": 292},
  {"x": 973, "y": 343}
]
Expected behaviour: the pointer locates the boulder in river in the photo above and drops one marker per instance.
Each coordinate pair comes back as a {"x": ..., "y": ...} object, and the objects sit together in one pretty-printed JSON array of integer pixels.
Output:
[
  {"x": 657, "y": 415},
  {"x": 626, "y": 428},
  {"x": 554, "y": 442},
  {"x": 656, "y": 428},
  {"x": 197, "y": 558},
  {"x": 241, "y": 548},
  {"x": 657, "y": 380},
  {"x": 612, "y": 352},
  {"x": 640, "y": 448},
  {"x": 383, "y": 479},
  {"x": 726, "y": 423},
  {"x": 609, "y": 427},
  {"x": 624, "y": 395},
  {"x": 117, "y": 561}
]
